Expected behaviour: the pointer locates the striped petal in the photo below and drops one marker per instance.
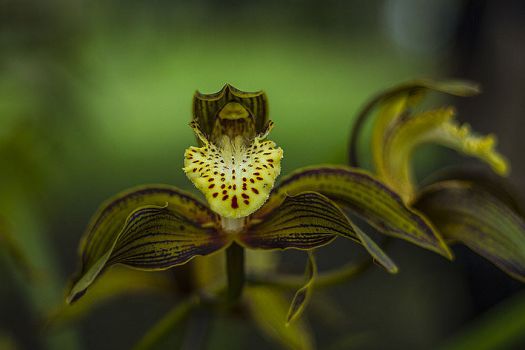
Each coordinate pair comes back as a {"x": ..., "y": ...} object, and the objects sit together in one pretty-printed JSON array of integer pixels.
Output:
[
  {"x": 366, "y": 197},
  {"x": 467, "y": 214},
  {"x": 151, "y": 227},
  {"x": 306, "y": 221}
]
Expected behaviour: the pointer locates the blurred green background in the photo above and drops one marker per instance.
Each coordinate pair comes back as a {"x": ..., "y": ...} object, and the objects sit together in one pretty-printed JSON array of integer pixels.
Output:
[{"x": 95, "y": 96}]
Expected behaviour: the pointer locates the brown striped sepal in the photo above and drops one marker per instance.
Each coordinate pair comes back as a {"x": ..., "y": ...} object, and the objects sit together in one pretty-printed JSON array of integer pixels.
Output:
[
  {"x": 465, "y": 213},
  {"x": 306, "y": 221},
  {"x": 365, "y": 196},
  {"x": 151, "y": 228}
]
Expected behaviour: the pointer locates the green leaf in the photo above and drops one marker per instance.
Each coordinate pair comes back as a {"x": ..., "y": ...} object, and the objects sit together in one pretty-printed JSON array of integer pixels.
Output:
[
  {"x": 396, "y": 100},
  {"x": 302, "y": 296},
  {"x": 269, "y": 309},
  {"x": 466, "y": 214},
  {"x": 169, "y": 228},
  {"x": 437, "y": 126},
  {"x": 16, "y": 252},
  {"x": 501, "y": 327},
  {"x": 113, "y": 284},
  {"x": 305, "y": 221},
  {"x": 367, "y": 197}
]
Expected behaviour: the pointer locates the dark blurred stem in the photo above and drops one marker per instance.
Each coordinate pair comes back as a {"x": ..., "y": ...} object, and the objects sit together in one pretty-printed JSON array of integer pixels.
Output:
[
  {"x": 323, "y": 280},
  {"x": 196, "y": 331},
  {"x": 235, "y": 271}
]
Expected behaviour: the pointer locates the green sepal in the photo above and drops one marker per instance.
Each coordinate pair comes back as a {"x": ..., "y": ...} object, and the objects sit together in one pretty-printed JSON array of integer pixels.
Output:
[
  {"x": 149, "y": 227},
  {"x": 365, "y": 196},
  {"x": 395, "y": 101},
  {"x": 467, "y": 214},
  {"x": 437, "y": 126}
]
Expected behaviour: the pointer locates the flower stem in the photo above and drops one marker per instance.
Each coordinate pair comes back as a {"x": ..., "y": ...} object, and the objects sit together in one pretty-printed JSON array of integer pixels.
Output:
[{"x": 235, "y": 271}]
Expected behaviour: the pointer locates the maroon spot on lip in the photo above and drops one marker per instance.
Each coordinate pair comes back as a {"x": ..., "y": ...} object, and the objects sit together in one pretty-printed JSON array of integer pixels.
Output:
[{"x": 235, "y": 205}]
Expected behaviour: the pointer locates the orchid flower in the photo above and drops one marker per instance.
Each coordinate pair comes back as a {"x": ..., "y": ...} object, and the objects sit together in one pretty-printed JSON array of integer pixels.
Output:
[{"x": 236, "y": 166}]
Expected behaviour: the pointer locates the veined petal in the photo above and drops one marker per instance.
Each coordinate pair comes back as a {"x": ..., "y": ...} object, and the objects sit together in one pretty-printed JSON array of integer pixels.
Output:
[
  {"x": 464, "y": 213},
  {"x": 149, "y": 227},
  {"x": 306, "y": 221},
  {"x": 365, "y": 196},
  {"x": 406, "y": 134},
  {"x": 235, "y": 177}
]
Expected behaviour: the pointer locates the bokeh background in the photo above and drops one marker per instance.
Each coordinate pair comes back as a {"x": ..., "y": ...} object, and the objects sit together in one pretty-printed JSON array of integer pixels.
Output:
[{"x": 95, "y": 97}]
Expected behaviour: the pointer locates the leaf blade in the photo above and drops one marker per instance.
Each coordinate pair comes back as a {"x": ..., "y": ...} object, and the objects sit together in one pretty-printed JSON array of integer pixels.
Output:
[{"x": 271, "y": 321}]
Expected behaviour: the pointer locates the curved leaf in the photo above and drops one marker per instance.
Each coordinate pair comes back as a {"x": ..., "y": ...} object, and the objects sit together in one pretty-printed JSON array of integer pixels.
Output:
[
  {"x": 466, "y": 214},
  {"x": 365, "y": 196},
  {"x": 395, "y": 101},
  {"x": 168, "y": 228},
  {"x": 272, "y": 320},
  {"x": 302, "y": 296},
  {"x": 437, "y": 126},
  {"x": 306, "y": 221}
]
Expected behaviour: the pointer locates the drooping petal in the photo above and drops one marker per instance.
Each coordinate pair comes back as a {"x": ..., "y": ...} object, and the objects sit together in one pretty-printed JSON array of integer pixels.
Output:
[
  {"x": 365, "y": 196},
  {"x": 437, "y": 126},
  {"x": 302, "y": 296},
  {"x": 395, "y": 102},
  {"x": 235, "y": 177},
  {"x": 469, "y": 215},
  {"x": 149, "y": 227},
  {"x": 268, "y": 308},
  {"x": 306, "y": 221}
]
